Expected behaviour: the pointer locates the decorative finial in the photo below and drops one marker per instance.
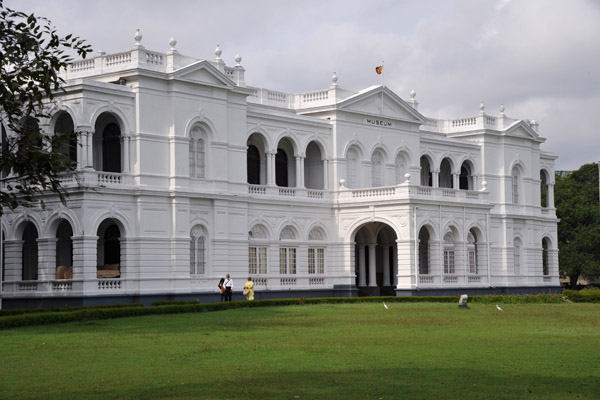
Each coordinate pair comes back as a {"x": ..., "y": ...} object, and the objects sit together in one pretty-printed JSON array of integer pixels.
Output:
[
  {"x": 481, "y": 107},
  {"x": 342, "y": 182},
  {"x": 218, "y": 53},
  {"x": 138, "y": 37},
  {"x": 238, "y": 60},
  {"x": 334, "y": 79},
  {"x": 483, "y": 186},
  {"x": 413, "y": 94},
  {"x": 101, "y": 52},
  {"x": 502, "y": 109},
  {"x": 407, "y": 177},
  {"x": 172, "y": 43}
]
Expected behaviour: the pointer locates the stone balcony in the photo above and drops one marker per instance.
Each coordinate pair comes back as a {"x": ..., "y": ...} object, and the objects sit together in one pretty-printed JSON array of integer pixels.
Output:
[{"x": 406, "y": 191}]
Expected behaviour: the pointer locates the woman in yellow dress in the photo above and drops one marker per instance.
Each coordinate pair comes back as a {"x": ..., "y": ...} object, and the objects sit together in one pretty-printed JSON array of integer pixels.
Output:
[{"x": 249, "y": 289}]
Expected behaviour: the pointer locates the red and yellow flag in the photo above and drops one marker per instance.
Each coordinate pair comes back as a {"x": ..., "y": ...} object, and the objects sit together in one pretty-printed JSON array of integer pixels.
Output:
[{"x": 379, "y": 69}]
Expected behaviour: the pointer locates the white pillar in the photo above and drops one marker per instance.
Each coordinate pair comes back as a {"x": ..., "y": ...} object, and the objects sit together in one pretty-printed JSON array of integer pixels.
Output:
[
  {"x": 13, "y": 260},
  {"x": 47, "y": 258},
  {"x": 85, "y": 261},
  {"x": 325, "y": 175},
  {"x": 270, "y": 171},
  {"x": 125, "y": 141},
  {"x": 372, "y": 265},
  {"x": 362, "y": 272},
  {"x": 455, "y": 181},
  {"x": 395, "y": 266},
  {"x": 81, "y": 138},
  {"x": 299, "y": 172},
  {"x": 435, "y": 179},
  {"x": 386, "y": 265},
  {"x": 89, "y": 148},
  {"x": 550, "y": 196}
]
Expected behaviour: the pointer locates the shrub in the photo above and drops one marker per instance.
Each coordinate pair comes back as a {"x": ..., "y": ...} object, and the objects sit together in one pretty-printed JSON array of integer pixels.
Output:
[
  {"x": 587, "y": 295},
  {"x": 19, "y": 311}
]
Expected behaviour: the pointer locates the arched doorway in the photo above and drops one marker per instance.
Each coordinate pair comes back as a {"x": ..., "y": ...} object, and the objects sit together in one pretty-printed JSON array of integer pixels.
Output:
[
  {"x": 64, "y": 246},
  {"x": 30, "y": 253},
  {"x": 109, "y": 250},
  {"x": 376, "y": 263},
  {"x": 107, "y": 144},
  {"x": 65, "y": 128}
]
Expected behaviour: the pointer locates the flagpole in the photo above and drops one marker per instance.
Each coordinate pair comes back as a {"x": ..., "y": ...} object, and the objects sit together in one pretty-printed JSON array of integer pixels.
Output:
[{"x": 382, "y": 72}]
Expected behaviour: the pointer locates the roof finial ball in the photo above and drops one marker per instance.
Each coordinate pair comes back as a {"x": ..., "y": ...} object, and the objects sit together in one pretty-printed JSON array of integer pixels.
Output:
[
  {"x": 334, "y": 79},
  {"x": 172, "y": 43},
  {"x": 413, "y": 94},
  {"x": 138, "y": 38},
  {"x": 238, "y": 60},
  {"x": 481, "y": 107},
  {"x": 502, "y": 109},
  {"x": 218, "y": 53}
]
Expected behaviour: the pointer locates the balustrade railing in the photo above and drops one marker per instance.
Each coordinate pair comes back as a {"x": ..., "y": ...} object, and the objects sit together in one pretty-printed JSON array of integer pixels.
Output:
[
  {"x": 62, "y": 286},
  {"x": 109, "y": 177},
  {"x": 109, "y": 284},
  {"x": 316, "y": 281},
  {"x": 426, "y": 278},
  {"x": 287, "y": 281}
]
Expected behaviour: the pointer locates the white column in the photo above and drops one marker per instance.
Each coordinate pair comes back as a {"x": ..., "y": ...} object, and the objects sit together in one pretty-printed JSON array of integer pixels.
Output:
[
  {"x": 270, "y": 170},
  {"x": 395, "y": 266},
  {"x": 299, "y": 172},
  {"x": 47, "y": 258},
  {"x": 301, "y": 184},
  {"x": 372, "y": 265},
  {"x": 90, "y": 150},
  {"x": 85, "y": 261},
  {"x": 325, "y": 175},
  {"x": 273, "y": 172},
  {"x": 13, "y": 260},
  {"x": 386, "y": 265},
  {"x": 550, "y": 196},
  {"x": 362, "y": 271},
  {"x": 435, "y": 179},
  {"x": 81, "y": 139},
  {"x": 125, "y": 141},
  {"x": 455, "y": 181}
]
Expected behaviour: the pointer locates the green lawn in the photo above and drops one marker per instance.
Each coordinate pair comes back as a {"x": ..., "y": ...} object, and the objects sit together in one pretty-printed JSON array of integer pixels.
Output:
[{"x": 345, "y": 351}]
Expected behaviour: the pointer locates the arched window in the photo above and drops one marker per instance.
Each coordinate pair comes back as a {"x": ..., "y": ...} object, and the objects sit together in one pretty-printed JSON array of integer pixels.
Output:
[
  {"x": 426, "y": 176},
  {"x": 64, "y": 245},
  {"x": 516, "y": 178},
  {"x": 517, "y": 256},
  {"x": 112, "y": 245},
  {"x": 253, "y": 165},
  {"x": 313, "y": 167},
  {"x": 108, "y": 250},
  {"x": 198, "y": 251},
  {"x": 30, "y": 253},
  {"x": 376, "y": 169},
  {"x": 316, "y": 252},
  {"x": 449, "y": 254},
  {"x": 400, "y": 166},
  {"x": 287, "y": 252},
  {"x": 423, "y": 251},
  {"x": 257, "y": 250},
  {"x": 68, "y": 141},
  {"x": 111, "y": 148},
  {"x": 472, "y": 252},
  {"x": 197, "y": 154},
  {"x": 445, "y": 174},
  {"x": 543, "y": 190},
  {"x": 281, "y": 168},
  {"x": 545, "y": 268},
  {"x": 465, "y": 180},
  {"x": 352, "y": 168}
]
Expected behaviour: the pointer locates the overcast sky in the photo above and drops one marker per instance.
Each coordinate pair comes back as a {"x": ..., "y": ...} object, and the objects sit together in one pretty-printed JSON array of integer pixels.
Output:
[{"x": 540, "y": 58}]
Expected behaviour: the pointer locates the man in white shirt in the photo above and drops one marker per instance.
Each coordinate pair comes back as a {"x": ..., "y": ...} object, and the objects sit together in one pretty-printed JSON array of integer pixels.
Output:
[{"x": 228, "y": 288}]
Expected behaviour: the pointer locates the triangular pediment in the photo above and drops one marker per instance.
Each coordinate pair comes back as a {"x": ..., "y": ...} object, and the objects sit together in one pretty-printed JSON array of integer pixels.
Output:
[
  {"x": 522, "y": 129},
  {"x": 370, "y": 102},
  {"x": 203, "y": 72}
]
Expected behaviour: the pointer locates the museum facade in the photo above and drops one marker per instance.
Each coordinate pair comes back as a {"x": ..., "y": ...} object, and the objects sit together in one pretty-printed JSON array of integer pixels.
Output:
[{"x": 185, "y": 173}]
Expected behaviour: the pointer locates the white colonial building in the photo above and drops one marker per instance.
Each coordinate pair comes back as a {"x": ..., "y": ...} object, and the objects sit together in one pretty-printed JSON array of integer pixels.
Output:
[{"x": 185, "y": 174}]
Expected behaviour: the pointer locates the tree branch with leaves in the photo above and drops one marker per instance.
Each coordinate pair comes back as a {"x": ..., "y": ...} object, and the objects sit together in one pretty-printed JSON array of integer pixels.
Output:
[{"x": 31, "y": 55}]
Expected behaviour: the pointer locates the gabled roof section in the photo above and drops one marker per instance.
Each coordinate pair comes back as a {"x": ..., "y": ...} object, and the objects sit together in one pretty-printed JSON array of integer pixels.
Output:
[
  {"x": 202, "y": 72},
  {"x": 370, "y": 101},
  {"x": 522, "y": 129}
]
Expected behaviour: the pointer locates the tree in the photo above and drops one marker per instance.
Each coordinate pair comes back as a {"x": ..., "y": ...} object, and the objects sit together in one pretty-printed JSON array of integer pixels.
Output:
[
  {"x": 576, "y": 199},
  {"x": 31, "y": 54}
]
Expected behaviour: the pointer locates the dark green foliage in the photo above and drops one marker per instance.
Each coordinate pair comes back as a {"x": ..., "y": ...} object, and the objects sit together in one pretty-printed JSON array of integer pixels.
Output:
[
  {"x": 587, "y": 295},
  {"x": 31, "y": 53},
  {"x": 50, "y": 316},
  {"x": 576, "y": 200},
  {"x": 19, "y": 311}
]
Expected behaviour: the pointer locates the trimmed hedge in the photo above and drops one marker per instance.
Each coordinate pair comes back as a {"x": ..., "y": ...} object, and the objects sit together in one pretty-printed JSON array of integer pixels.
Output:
[
  {"x": 19, "y": 311},
  {"x": 37, "y": 317},
  {"x": 587, "y": 295}
]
